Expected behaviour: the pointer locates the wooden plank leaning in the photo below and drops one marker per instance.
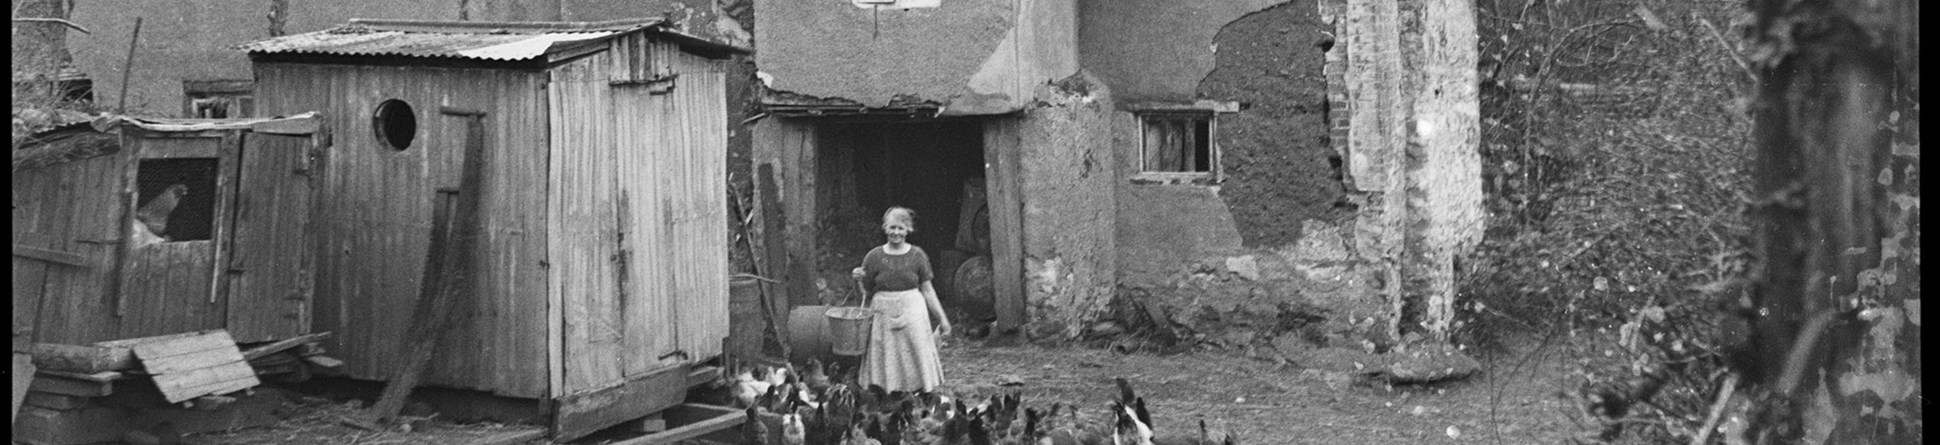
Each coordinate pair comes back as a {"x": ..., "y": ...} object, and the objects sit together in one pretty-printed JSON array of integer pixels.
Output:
[
  {"x": 195, "y": 366},
  {"x": 448, "y": 271}
]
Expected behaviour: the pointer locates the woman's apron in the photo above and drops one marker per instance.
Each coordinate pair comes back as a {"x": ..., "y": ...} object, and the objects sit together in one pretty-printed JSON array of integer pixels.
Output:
[{"x": 902, "y": 348}]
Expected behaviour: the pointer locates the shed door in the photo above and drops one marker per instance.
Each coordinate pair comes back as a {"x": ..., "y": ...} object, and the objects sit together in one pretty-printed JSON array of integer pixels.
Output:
[
  {"x": 270, "y": 268},
  {"x": 181, "y": 195}
]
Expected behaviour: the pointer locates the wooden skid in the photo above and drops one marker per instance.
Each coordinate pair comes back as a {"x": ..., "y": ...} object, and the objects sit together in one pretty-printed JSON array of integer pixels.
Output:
[
  {"x": 96, "y": 424},
  {"x": 690, "y": 421},
  {"x": 73, "y": 384},
  {"x": 82, "y": 359},
  {"x": 585, "y": 413}
]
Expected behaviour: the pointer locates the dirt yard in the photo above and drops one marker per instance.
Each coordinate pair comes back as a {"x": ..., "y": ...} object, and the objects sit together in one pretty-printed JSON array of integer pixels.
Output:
[
  {"x": 1515, "y": 399},
  {"x": 1266, "y": 402}
]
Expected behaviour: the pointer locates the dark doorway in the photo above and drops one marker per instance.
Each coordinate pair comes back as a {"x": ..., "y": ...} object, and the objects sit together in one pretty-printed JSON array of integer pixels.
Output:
[{"x": 934, "y": 167}]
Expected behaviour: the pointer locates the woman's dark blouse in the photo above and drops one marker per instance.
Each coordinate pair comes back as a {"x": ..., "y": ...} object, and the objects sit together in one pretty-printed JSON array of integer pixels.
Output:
[{"x": 885, "y": 272}]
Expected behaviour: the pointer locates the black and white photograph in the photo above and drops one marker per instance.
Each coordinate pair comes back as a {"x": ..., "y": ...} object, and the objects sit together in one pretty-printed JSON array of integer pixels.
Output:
[{"x": 966, "y": 222}]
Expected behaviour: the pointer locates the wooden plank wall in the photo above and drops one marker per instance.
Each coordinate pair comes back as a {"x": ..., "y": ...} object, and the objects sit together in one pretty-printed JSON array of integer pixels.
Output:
[
  {"x": 1003, "y": 148},
  {"x": 167, "y": 288},
  {"x": 646, "y": 144},
  {"x": 74, "y": 207},
  {"x": 271, "y": 265},
  {"x": 375, "y": 210},
  {"x": 584, "y": 226},
  {"x": 699, "y": 211},
  {"x": 639, "y": 172}
]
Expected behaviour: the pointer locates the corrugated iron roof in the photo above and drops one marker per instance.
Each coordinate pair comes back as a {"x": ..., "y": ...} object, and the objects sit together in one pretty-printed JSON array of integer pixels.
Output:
[{"x": 467, "y": 40}]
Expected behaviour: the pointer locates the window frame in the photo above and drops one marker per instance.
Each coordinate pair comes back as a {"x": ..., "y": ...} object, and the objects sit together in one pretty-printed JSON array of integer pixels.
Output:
[
  {"x": 238, "y": 97},
  {"x": 1203, "y": 109}
]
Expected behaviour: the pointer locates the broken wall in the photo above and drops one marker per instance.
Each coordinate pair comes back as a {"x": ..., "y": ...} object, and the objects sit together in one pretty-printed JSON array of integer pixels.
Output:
[
  {"x": 1402, "y": 87},
  {"x": 1230, "y": 260},
  {"x": 1069, "y": 235},
  {"x": 1349, "y": 182}
]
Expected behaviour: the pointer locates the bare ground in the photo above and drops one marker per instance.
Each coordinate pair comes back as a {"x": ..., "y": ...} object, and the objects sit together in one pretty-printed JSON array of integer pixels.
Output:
[{"x": 1514, "y": 400}]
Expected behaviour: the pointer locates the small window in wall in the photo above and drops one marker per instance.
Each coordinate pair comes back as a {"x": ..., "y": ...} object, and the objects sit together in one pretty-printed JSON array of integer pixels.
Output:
[
  {"x": 218, "y": 99},
  {"x": 395, "y": 123},
  {"x": 177, "y": 198},
  {"x": 1178, "y": 142}
]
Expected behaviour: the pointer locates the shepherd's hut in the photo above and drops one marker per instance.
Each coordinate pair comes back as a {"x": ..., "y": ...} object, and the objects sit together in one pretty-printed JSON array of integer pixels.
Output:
[
  {"x": 600, "y": 279},
  {"x": 126, "y": 227}
]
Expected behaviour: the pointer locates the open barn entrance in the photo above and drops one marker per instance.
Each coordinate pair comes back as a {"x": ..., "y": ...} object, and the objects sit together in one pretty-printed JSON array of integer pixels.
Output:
[{"x": 935, "y": 167}]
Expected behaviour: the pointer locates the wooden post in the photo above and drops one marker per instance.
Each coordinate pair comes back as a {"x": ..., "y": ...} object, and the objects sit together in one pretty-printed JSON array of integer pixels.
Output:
[
  {"x": 122, "y": 105},
  {"x": 447, "y": 272}
]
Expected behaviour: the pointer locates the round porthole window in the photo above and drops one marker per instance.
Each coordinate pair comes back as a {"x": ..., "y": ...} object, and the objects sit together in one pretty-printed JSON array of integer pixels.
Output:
[{"x": 395, "y": 123}]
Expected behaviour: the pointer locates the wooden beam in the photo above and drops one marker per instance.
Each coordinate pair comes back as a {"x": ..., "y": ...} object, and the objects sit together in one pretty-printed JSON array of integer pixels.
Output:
[
  {"x": 255, "y": 352},
  {"x": 53, "y": 401},
  {"x": 133, "y": 342},
  {"x": 52, "y": 256},
  {"x": 587, "y": 412},
  {"x": 82, "y": 359},
  {"x": 74, "y": 384},
  {"x": 1002, "y": 157},
  {"x": 694, "y": 420},
  {"x": 701, "y": 375},
  {"x": 447, "y": 272},
  {"x": 23, "y": 374},
  {"x": 511, "y": 437}
]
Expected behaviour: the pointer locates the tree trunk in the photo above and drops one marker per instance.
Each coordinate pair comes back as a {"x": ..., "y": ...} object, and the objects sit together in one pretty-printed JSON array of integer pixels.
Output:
[{"x": 1835, "y": 348}]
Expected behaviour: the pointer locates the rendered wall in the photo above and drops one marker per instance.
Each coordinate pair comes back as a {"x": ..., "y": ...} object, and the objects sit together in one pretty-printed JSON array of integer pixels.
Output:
[{"x": 972, "y": 57}]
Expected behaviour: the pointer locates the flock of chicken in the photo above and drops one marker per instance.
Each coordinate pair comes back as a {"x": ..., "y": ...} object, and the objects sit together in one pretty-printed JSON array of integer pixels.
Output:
[{"x": 818, "y": 408}]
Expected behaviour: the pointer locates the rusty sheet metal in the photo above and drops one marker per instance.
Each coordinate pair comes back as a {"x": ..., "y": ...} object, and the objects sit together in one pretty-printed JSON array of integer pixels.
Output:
[
  {"x": 505, "y": 41},
  {"x": 467, "y": 40},
  {"x": 364, "y": 42}
]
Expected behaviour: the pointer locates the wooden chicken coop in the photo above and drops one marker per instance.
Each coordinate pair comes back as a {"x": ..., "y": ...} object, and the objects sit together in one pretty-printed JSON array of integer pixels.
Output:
[
  {"x": 602, "y": 274},
  {"x": 126, "y": 227}
]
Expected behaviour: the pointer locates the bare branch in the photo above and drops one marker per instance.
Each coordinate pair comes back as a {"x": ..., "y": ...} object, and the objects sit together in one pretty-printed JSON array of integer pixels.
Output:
[{"x": 77, "y": 27}]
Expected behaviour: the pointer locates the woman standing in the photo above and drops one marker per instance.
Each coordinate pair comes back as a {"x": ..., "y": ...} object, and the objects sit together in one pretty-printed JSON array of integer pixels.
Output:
[{"x": 902, "y": 346}]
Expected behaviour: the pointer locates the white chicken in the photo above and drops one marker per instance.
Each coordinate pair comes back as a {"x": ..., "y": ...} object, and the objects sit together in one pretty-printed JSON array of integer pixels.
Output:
[
  {"x": 142, "y": 235},
  {"x": 745, "y": 388},
  {"x": 153, "y": 215},
  {"x": 793, "y": 432}
]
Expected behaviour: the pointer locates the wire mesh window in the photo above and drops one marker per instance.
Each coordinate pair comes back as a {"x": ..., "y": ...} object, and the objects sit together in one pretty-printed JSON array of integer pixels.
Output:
[
  {"x": 177, "y": 197},
  {"x": 1178, "y": 142}
]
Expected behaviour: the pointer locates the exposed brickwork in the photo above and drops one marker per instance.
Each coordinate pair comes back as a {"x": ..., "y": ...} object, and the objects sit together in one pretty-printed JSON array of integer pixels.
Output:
[{"x": 1401, "y": 95}]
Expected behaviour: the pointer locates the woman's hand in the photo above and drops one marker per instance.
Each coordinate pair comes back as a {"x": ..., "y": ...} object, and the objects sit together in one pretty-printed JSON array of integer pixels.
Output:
[
  {"x": 943, "y": 328},
  {"x": 856, "y": 274}
]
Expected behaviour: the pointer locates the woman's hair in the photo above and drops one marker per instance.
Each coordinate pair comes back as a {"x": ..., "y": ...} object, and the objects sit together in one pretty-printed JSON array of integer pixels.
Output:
[{"x": 900, "y": 214}]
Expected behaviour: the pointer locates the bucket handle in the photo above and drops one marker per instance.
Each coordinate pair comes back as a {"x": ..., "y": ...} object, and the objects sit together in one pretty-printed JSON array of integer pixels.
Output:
[{"x": 859, "y": 291}]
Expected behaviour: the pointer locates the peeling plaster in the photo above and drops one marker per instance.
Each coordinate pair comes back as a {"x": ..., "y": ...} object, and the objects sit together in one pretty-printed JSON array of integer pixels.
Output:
[{"x": 1156, "y": 49}]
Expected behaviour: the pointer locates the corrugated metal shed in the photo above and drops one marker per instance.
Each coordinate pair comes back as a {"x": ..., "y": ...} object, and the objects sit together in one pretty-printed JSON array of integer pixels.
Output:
[
  {"x": 501, "y": 41},
  {"x": 600, "y": 278}
]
